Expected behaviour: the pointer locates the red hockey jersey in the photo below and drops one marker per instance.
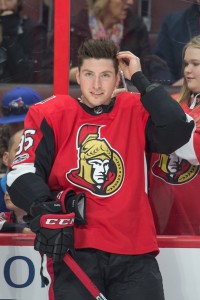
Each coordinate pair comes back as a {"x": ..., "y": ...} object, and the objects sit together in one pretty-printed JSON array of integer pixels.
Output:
[
  {"x": 101, "y": 152},
  {"x": 174, "y": 186},
  {"x": 104, "y": 157}
]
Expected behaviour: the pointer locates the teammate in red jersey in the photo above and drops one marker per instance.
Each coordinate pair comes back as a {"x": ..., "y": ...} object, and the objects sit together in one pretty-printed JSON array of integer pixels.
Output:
[
  {"x": 90, "y": 154},
  {"x": 175, "y": 178}
]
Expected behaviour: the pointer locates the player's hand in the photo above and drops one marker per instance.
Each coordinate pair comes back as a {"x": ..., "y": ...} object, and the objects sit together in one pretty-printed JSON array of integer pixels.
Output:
[
  {"x": 129, "y": 63},
  {"x": 72, "y": 202},
  {"x": 54, "y": 235},
  {"x": 67, "y": 201}
]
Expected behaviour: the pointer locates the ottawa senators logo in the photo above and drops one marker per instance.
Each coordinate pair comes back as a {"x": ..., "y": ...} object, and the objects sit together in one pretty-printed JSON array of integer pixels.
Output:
[
  {"x": 174, "y": 170},
  {"x": 100, "y": 168}
]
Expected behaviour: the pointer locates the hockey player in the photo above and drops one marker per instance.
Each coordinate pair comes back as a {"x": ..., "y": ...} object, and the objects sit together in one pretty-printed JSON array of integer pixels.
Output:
[{"x": 90, "y": 154}]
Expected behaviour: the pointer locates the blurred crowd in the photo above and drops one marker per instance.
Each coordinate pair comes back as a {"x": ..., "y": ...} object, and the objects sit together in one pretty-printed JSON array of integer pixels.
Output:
[{"x": 27, "y": 41}]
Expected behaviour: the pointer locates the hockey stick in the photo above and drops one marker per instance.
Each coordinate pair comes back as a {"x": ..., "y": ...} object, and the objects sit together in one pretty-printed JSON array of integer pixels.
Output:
[{"x": 83, "y": 277}]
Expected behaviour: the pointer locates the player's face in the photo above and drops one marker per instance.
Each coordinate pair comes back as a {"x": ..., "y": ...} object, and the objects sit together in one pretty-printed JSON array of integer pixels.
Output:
[
  {"x": 97, "y": 79},
  {"x": 192, "y": 69}
]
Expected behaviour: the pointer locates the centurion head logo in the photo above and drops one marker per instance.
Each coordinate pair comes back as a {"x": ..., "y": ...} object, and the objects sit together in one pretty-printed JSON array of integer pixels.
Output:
[
  {"x": 100, "y": 168},
  {"x": 174, "y": 170}
]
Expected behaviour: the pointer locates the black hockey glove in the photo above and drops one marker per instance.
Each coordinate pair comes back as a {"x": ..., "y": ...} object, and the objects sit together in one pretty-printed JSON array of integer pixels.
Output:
[
  {"x": 66, "y": 202},
  {"x": 53, "y": 223},
  {"x": 72, "y": 202},
  {"x": 54, "y": 235}
]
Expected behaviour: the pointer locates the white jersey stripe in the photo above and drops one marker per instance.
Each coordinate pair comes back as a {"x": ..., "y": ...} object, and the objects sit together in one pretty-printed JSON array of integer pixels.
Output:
[
  {"x": 19, "y": 170},
  {"x": 187, "y": 151}
]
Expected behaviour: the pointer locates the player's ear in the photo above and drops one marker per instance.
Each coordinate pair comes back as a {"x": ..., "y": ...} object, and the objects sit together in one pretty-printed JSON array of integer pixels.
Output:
[
  {"x": 118, "y": 79},
  {"x": 78, "y": 76}
]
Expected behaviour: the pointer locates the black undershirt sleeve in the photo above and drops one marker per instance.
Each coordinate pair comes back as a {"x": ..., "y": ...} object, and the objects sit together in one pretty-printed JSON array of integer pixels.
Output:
[
  {"x": 167, "y": 128},
  {"x": 29, "y": 188}
]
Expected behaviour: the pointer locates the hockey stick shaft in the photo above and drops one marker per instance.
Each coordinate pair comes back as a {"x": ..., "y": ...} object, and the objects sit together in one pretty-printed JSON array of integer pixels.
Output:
[{"x": 83, "y": 277}]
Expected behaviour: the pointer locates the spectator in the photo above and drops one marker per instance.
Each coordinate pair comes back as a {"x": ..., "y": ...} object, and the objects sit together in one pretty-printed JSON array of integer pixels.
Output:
[
  {"x": 14, "y": 106},
  {"x": 175, "y": 178},
  {"x": 7, "y": 157},
  {"x": 5, "y": 136},
  {"x": 22, "y": 44},
  {"x": 177, "y": 29},
  {"x": 91, "y": 152},
  {"x": 12, "y": 219},
  {"x": 113, "y": 19},
  {"x": 4, "y": 139}
]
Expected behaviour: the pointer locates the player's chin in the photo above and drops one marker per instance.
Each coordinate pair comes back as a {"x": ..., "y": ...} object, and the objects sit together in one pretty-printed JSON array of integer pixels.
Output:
[{"x": 98, "y": 102}]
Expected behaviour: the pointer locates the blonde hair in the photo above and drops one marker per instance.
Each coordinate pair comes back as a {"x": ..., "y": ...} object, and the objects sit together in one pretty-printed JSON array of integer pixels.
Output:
[
  {"x": 98, "y": 7},
  {"x": 185, "y": 91}
]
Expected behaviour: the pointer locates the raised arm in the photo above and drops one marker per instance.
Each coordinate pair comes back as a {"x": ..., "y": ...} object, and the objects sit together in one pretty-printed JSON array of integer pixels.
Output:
[{"x": 168, "y": 127}]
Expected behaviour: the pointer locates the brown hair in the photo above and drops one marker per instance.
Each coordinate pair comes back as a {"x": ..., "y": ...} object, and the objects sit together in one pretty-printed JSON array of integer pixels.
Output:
[{"x": 100, "y": 48}]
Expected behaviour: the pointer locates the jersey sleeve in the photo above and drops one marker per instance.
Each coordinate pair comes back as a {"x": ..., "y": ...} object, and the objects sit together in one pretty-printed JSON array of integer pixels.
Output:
[
  {"x": 191, "y": 150},
  {"x": 167, "y": 122},
  {"x": 27, "y": 179}
]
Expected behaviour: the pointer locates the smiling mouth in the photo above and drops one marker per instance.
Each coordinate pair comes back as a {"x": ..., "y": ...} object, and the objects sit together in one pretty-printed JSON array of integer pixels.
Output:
[{"x": 97, "y": 94}]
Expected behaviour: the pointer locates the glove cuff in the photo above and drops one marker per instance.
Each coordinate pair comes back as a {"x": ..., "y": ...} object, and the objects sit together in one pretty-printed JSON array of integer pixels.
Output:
[
  {"x": 72, "y": 202},
  {"x": 62, "y": 198}
]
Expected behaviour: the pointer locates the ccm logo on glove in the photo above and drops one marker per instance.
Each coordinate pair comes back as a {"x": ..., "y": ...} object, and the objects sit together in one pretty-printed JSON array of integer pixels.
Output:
[{"x": 58, "y": 221}]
